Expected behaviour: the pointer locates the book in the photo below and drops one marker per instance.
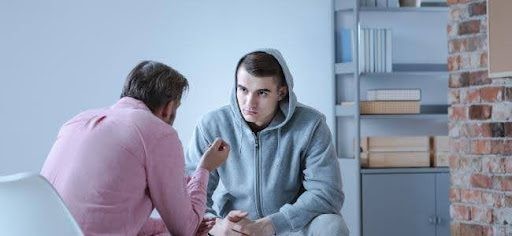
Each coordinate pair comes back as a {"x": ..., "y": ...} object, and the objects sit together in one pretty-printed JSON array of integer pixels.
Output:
[
  {"x": 389, "y": 51},
  {"x": 440, "y": 159},
  {"x": 393, "y": 94},
  {"x": 346, "y": 45},
  {"x": 395, "y": 159},
  {"x": 440, "y": 144},
  {"x": 395, "y": 144},
  {"x": 389, "y": 107}
]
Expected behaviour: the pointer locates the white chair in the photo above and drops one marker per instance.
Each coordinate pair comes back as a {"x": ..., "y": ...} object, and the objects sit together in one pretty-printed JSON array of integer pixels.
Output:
[{"x": 29, "y": 205}]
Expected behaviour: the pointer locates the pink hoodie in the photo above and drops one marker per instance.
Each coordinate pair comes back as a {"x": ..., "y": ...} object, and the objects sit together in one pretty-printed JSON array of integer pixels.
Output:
[{"x": 113, "y": 166}]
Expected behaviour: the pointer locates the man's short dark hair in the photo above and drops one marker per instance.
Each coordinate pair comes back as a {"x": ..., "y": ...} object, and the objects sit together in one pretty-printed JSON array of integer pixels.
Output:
[
  {"x": 262, "y": 64},
  {"x": 155, "y": 84}
]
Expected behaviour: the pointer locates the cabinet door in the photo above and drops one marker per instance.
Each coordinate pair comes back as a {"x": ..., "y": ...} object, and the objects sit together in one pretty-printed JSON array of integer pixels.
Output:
[
  {"x": 398, "y": 204},
  {"x": 443, "y": 204}
]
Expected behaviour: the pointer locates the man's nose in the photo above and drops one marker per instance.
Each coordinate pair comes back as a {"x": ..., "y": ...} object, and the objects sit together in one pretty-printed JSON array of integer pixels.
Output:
[{"x": 251, "y": 99}]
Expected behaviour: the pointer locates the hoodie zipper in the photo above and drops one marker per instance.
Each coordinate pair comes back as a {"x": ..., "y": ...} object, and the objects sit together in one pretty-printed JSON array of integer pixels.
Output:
[{"x": 257, "y": 172}]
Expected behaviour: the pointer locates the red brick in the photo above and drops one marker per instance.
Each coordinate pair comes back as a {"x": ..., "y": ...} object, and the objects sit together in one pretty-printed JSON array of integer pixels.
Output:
[
  {"x": 505, "y": 183},
  {"x": 493, "y": 165},
  {"x": 472, "y": 96},
  {"x": 493, "y": 199},
  {"x": 480, "y": 214},
  {"x": 454, "y": 96},
  {"x": 508, "y": 129},
  {"x": 498, "y": 129},
  {"x": 469, "y": 27},
  {"x": 497, "y": 146},
  {"x": 470, "y": 196},
  {"x": 481, "y": 147},
  {"x": 454, "y": 227},
  {"x": 480, "y": 181},
  {"x": 508, "y": 147},
  {"x": 477, "y": 129},
  {"x": 508, "y": 165},
  {"x": 507, "y": 201},
  {"x": 454, "y": 195},
  {"x": 483, "y": 59},
  {"x": 471, "y": 230},
  {"x": 477, "y": 9},
  {"x": 457, "y": 113},
  {"x": 478, "y": 78},
  {"x": 459, "y": 145},
  {"x": 480, "y": 112},
  {"x": 507, "y": 94},
  {"x": 459, "y": 80},
  {"x": 473, "y": 43},
  {"x": 460, "y": 212},
  {"x": 454, "y": 63},
  {"x": 454, "y": 162},
  {"x": 451, "y": 2},
  {"x": 491, "y": 94},
  {"x": 455, "y": 45}
]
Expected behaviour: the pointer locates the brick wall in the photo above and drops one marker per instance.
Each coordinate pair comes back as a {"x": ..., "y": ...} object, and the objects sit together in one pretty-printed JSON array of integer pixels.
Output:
[{"x": 481, "y": 152}]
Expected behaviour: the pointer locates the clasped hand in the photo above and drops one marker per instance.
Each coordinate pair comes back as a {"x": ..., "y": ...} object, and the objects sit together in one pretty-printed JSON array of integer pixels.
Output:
[{"x": 237, "y": 223}]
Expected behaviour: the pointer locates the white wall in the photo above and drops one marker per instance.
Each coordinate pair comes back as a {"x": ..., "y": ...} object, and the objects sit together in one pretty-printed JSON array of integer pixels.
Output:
[{"x": 60, "y": 57}]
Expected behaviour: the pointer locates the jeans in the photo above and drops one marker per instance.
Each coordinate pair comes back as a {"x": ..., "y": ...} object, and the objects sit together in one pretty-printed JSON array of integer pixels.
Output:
[{"x": 326, "y": 224}]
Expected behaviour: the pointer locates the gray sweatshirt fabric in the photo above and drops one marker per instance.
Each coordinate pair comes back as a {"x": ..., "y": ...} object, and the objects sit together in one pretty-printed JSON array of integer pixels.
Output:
[{"x": 287, "y": 171}]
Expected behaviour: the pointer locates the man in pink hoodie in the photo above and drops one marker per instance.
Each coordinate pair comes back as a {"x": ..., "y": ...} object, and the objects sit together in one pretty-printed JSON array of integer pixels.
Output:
[{"x": 113, "y": 166}]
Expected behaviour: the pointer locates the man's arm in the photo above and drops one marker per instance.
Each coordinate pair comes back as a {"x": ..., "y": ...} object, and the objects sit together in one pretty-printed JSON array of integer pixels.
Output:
[
  {"x": 197, "y": 146},
  {"x": 322, "y": 182},
  {"x": 180, "y": 205}
]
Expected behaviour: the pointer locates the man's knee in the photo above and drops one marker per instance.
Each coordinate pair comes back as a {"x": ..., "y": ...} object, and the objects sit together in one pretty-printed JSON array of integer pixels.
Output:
[{"x": 328, "y": 224}]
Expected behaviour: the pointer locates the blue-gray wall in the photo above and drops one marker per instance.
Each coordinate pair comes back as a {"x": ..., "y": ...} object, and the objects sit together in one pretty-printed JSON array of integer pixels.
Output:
[{"x": 60, "y": 57}]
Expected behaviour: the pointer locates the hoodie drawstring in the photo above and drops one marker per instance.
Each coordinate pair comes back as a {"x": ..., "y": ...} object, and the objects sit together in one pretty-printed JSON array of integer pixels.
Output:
[{"x": 241, "y": 139}]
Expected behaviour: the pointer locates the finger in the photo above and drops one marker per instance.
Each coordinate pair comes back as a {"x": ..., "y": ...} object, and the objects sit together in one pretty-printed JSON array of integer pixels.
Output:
[
  {"x": 224, "y": 146},
  {"x": 216, "y": 144},
  {"x": 236, "y": 215},
  {"x": 238, "y": 232}
]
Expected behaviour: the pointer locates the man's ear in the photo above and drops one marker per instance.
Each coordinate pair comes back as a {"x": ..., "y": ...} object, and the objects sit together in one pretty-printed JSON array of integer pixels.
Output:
[
  {"x": 283, "y": 91},
  {"x": 167, "y": 109},
  {"x": 164, "y": 111}
]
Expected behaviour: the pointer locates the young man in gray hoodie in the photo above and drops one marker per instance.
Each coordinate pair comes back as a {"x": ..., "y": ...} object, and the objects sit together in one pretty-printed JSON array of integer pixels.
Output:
[{"x": 282, "y": 176}]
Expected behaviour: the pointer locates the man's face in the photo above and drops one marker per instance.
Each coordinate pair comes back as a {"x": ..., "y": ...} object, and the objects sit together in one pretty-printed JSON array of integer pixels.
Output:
[{"x": 258, "y": 97}]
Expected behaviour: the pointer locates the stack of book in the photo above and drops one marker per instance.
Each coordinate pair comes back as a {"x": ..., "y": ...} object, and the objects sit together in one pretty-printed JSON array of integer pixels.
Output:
[
  {"x": 375, "y": 50},
  {"x": 392, "y": 101},
  {"x": 440, "y": 151},
  {"x": 385, "y": 151}
]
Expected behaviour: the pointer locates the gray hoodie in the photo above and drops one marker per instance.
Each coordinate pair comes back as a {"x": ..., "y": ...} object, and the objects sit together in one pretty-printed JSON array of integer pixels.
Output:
[{"x": 287, "y": 171}]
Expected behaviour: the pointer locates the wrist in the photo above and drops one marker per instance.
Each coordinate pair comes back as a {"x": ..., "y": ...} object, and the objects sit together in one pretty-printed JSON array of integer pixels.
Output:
[{"x": 268, "y": 227}]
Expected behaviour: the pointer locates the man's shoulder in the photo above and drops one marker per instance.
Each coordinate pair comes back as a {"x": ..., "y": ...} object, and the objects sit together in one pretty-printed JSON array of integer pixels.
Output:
[
  {"x": 305, "y": 112},
  {"x": 217, "y": 115}
]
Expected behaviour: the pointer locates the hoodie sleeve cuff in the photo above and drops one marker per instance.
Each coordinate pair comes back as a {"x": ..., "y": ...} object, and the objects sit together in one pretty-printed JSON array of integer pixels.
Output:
[{"x": 280, "y": 223}]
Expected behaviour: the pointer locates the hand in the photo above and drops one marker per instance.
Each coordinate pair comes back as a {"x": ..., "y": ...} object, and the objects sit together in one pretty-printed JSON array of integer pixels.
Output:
[
  {"x": 224, "y": 227},
  {"x": 215, "y": 155},
  {"x": 260, "y": 227},
  {"x": 236, "y": 223},
  {"x": 205, "y": 226}
]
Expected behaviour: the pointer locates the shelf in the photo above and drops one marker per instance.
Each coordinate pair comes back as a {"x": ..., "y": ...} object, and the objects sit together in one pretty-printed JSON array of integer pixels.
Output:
[
  {"x": 394, "y": 9},
  {"x": 426, "y": 112},
  {"x": 345, "y": 110},
  {"x": 412, "y": 70},
  {"x": 404, "y": 9},
  {"x": 405, "y": 170},
  {"x": 344, "y": 68},
  {"x": 406, "y": 116}
]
